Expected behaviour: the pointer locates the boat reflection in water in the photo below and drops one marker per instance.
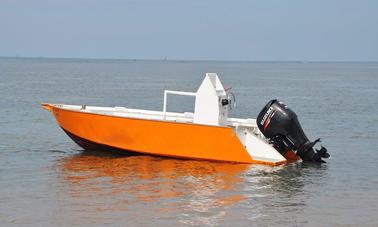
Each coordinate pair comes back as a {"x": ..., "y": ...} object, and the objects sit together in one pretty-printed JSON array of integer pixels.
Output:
[
  {"x": 107, "y": 182},
  {"x": 146, "y": 190}
]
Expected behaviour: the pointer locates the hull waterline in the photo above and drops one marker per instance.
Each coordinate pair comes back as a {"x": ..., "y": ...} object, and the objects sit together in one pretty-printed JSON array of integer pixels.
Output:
[{"x": 93, "y": 146}]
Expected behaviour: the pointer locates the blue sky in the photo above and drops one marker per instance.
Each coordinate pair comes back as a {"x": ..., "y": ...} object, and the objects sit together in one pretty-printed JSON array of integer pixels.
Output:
[{"x": 265, "y": 30}]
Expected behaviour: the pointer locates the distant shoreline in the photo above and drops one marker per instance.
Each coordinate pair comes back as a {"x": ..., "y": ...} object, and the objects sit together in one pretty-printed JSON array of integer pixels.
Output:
[{"x": 172, "y": 60}]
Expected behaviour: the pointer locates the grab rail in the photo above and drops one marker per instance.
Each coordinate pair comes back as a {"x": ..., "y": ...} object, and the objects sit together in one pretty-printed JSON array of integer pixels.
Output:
[{"x": 166, "y": 92}]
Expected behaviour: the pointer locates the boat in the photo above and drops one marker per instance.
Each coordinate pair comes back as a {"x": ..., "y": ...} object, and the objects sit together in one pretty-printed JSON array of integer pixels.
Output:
[{"x": 207, "y": 133}]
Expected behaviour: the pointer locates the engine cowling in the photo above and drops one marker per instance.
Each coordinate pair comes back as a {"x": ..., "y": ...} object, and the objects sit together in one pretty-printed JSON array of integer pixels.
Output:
[{"x": 280, "y": 125}]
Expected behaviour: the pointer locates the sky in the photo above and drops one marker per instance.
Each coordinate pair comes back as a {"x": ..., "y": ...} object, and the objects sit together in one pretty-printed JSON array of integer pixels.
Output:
[{"x": 248, "y": 30}]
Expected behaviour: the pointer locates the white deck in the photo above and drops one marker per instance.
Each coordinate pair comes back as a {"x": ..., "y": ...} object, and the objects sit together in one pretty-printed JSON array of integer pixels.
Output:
[{"x": 186, "y": 117}]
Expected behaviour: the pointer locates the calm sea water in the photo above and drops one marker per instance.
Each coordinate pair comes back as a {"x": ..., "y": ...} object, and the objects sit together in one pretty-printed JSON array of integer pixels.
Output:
[{"x": 45, "y": 179}]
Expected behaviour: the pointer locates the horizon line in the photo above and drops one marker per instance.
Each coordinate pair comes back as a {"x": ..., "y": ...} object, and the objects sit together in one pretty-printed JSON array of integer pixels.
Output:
[{"x": 190, "y": 60}]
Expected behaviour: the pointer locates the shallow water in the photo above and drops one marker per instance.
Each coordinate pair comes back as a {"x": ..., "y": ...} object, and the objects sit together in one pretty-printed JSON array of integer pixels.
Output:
[{"x": 45, "y": 179}]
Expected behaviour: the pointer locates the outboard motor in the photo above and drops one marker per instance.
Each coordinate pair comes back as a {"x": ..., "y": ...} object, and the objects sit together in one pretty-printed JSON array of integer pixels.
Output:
[{"x": 280, "y": 125}]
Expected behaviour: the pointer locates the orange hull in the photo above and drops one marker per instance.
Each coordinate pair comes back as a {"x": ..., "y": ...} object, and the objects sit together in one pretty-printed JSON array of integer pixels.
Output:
[{"x": 153, "y": 137}]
